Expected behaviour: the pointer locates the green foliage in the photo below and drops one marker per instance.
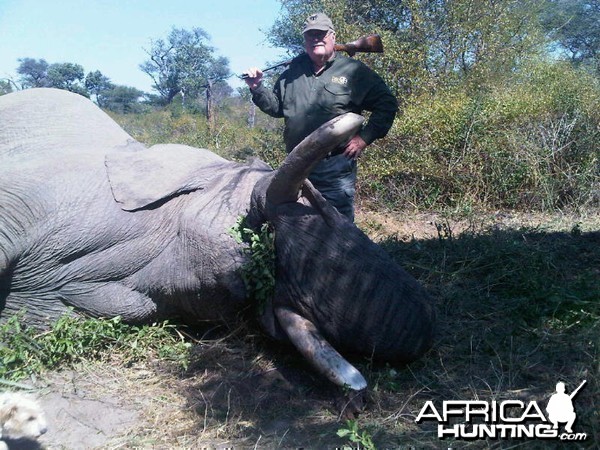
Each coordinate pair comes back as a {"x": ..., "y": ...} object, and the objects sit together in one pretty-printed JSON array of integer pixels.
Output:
[
  {"x": 97, "y": 85},
  {"x": 359, "y": 439},
  {"x": 524, "y": 141},
  {"x": 270, "y": 148},
  {"x": 6, "y": 86},
  {"x": 529, "y": 140},
  {"x": 427, "y": 44},
  {"x": 67, "y": 76},
  {"x": 259, "y": 270},
  {"x": 25, "y": 351},
  {"x": 184, "y": 62},
  {"x": 230, "y": 136},
  {"x": 33, "y": 72},
  {"x": 38, "y": 73},
  {"x": 121, "y": 99},
  {"x": 484, "y": 121},
  {"x": 574, "y": 26}
]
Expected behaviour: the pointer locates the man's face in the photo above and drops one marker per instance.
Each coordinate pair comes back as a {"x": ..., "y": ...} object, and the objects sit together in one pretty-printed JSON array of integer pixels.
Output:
[{"x": 319, "y": 45}]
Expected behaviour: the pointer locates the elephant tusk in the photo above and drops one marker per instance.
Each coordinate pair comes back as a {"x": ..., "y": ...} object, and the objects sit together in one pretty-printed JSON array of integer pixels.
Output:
[
  {"x": 313, "y": 346},
  {"x": 287, "y": 180}
]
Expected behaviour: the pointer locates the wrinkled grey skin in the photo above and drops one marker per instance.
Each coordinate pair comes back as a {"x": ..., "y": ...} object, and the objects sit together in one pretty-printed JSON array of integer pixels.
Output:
[{"x": 91, "y": 219}]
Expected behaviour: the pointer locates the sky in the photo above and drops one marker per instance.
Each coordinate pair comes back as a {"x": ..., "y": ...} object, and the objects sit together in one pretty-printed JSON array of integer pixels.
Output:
[{"x": 111, "y": 35}]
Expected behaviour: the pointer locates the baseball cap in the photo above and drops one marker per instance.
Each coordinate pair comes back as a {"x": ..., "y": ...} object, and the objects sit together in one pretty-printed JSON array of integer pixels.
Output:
[{"x": 318, "y": 21}]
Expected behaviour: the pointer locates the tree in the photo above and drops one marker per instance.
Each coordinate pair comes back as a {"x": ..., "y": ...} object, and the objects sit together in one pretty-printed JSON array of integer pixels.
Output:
[
  {"x": 427, "y": 42},
  {"x": 184, "y": 63},
  {"x": 574, "y": 26},
  {"x": 67, "y": 76},
  {"x": 98, "y": 85},
  {"x": 33, "y": 72},
  {"x": 6, "y": 86},
  {"x": 485, "y": 39},
  {"x": 36, "y": 73},
  {"x": 216, "y": 87},
  {"x": 122, "y": 99}
]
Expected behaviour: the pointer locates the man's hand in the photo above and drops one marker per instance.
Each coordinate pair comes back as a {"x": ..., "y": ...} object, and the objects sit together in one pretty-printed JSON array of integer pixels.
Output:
[
  {"x": 354, "y": 147},
  {"x": 254, "y": 77}
]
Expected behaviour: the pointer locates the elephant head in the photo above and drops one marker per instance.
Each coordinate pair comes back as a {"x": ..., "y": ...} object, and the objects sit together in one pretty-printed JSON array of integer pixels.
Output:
[
  {"x": 336, "y": 291},
  {"x": 90, "y": 218}
]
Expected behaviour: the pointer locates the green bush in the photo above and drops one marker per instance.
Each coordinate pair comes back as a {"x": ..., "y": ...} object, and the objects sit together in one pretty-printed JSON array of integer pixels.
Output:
[
  {"x": 229, "y": 136},
  {"x": 529, "y": 142}
]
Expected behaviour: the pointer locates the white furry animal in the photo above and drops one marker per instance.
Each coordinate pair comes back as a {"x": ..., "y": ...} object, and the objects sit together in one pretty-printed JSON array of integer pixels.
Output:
[{"x": 20, "y": 417}]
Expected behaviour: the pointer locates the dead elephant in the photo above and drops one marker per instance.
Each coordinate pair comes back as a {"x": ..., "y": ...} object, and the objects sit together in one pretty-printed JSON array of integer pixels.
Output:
[{"x": 93, "y": 220}]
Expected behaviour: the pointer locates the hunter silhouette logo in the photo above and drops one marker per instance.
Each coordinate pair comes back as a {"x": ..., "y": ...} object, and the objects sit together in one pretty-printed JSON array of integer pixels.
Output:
[
  {"x": 507, "y": 419},
  {"x": 560, "y": 407}
]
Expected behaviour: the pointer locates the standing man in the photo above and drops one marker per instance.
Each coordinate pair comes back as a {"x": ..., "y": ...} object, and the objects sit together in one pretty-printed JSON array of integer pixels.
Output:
[{"x": 317, "y": 86}]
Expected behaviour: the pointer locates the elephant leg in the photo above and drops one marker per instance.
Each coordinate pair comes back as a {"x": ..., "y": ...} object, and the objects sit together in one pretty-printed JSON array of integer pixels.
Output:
[{"x": 109, "y": 299}]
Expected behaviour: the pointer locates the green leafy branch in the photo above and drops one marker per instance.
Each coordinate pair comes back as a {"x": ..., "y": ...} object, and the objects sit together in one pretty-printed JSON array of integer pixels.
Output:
[
  {"x": 359, "y": 439},
  {"x": 258, "y": 272}
]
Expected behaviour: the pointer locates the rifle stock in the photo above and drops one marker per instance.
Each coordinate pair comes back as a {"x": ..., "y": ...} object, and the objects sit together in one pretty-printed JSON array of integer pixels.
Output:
[{"x": 366, "y": 44}]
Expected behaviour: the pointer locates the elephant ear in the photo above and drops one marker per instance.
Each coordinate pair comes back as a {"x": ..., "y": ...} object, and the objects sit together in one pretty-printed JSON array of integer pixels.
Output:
[{"x": 141, "y": 178}]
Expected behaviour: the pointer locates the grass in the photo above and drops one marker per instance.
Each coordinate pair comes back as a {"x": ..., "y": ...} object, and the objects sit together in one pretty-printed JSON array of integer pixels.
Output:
[
  {"x": 28, "y": 352},
  {"x": 518, "y": 310}
]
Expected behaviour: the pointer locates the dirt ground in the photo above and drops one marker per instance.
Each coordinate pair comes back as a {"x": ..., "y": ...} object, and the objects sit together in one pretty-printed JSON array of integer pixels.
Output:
[
  {"x": 238, "y": 393},
  {"x": 233, "y": 397},
  {"x": 86, "y": 410}
]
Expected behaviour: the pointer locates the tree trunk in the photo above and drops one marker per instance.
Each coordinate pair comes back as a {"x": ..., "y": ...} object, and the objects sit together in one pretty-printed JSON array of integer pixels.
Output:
[
  {"x": 251, "y": 114},
  {"x": 209, "y": 106}
]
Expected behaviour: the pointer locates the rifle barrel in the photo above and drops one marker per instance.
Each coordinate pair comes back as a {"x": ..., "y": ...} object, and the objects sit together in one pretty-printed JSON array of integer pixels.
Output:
[
  {"x": 574, "y": 393},
  {"x": 284, "y": 63}
]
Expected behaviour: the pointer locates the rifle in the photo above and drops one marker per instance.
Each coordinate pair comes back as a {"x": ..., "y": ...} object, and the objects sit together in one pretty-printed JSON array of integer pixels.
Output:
[
  {"x": 366, "y": 44},
  {"x": 577, "y": 390}
]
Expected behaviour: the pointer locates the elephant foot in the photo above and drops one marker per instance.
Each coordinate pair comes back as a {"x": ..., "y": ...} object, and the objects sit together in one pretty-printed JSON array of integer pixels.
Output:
[{"x": 350, "y": 403}]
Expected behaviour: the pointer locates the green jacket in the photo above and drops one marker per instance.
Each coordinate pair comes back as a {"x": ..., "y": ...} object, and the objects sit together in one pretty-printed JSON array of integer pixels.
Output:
[{"x": 306, "y": 101}]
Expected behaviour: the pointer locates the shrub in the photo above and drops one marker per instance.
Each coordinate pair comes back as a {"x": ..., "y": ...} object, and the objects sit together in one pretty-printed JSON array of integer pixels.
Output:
[
  {"x": 229, "y": 138},
  {"x": 530, "y": 141}
]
